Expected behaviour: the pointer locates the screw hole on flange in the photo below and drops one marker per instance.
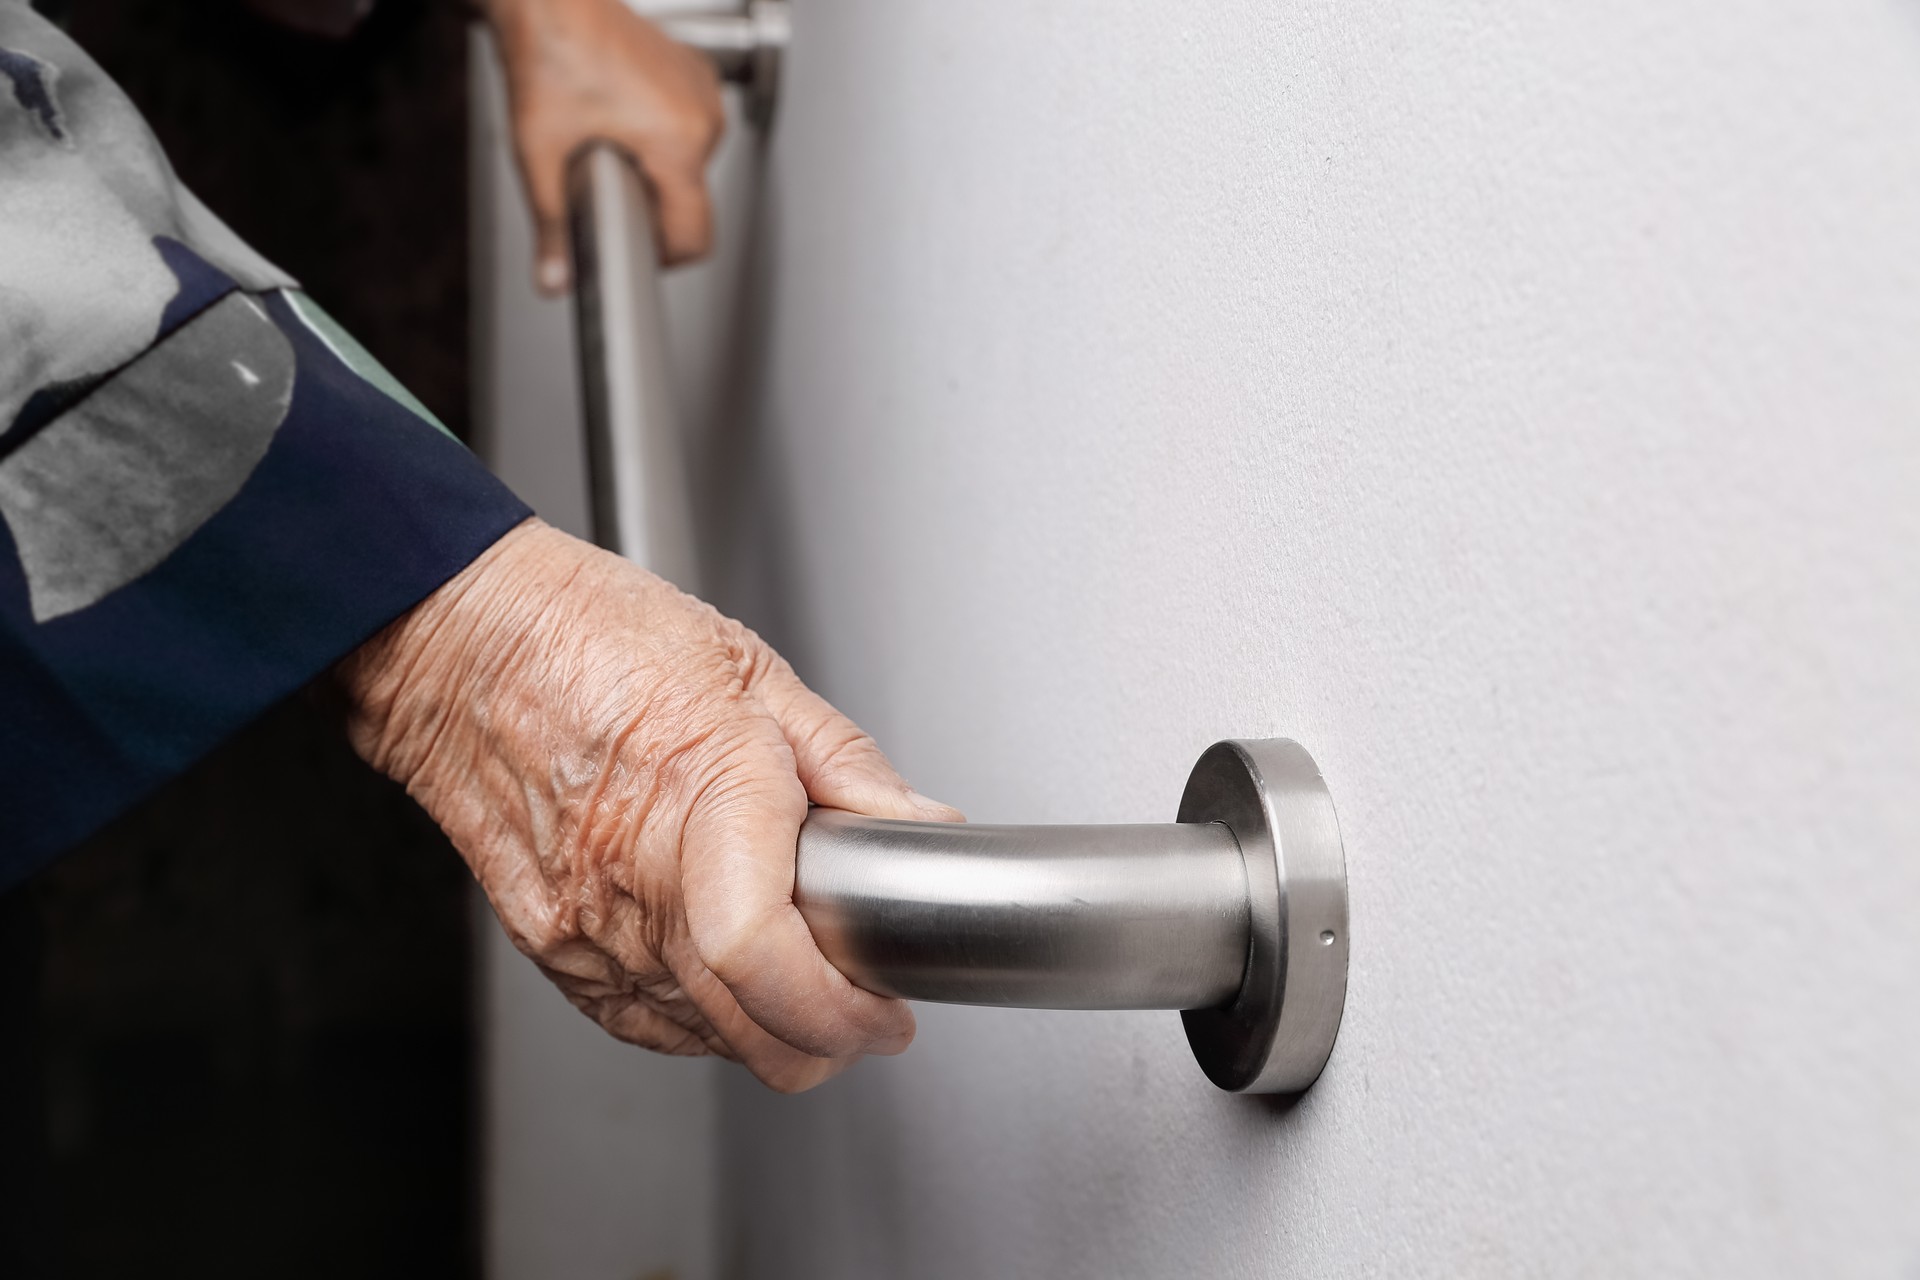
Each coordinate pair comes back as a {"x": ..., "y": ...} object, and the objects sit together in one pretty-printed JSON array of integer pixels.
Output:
[{"x": 1326, "y": 937}]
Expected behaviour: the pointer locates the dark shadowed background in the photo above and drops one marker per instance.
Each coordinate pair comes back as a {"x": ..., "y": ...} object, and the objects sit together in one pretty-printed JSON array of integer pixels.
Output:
[{"x": 238, "y": 1024}]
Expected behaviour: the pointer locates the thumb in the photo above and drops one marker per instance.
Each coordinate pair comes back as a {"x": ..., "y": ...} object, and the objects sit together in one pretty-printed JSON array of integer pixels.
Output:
[{"x": 736, "y": 858}]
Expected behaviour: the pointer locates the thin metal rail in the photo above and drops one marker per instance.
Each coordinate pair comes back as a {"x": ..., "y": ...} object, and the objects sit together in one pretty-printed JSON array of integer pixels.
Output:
[{"x": 636, "y": 477}]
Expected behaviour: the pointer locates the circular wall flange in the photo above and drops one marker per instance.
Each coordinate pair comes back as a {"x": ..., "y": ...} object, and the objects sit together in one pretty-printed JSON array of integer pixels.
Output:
[{"x": 1276, "y": 1035}]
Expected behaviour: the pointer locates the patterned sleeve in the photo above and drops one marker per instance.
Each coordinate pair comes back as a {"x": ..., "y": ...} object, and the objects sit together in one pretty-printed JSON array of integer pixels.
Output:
[{"x": 208, "y": 492}]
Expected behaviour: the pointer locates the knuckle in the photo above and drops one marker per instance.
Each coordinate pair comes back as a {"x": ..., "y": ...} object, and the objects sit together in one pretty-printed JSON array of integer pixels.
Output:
[
  {"x": 539, "y": 931},
  {"x": 581, "y": 967},
  {"x": 696, "y": 131},
  {"x": 843, "y": 750},
  {"x": 753, "y": 660},
  {"x": 848, "y": 744},
  {"x": 713, "y": 127}
]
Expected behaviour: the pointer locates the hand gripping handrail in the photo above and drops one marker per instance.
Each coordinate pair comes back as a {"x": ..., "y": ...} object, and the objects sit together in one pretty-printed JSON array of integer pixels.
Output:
[
  {"x": 1236, "y": 913},
  {"x": 638, "y": 496}
]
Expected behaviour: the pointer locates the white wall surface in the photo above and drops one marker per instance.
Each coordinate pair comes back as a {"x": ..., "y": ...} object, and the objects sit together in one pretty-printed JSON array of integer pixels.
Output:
[{"x": 1520, "y": 405}]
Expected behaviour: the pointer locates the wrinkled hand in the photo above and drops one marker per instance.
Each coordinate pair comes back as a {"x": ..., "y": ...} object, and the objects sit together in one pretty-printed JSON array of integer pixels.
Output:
[
  {"x": 626, "y": 772},
  {"x": 578, "y": 70}
]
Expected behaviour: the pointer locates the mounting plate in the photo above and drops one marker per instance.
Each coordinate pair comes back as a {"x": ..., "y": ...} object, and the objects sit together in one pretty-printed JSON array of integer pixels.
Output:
[{"x": 1276, "y": 1035}]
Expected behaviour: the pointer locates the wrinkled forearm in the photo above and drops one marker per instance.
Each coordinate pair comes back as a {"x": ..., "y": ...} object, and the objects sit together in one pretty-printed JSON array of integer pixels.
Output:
[{"x": 405, "y": 685}]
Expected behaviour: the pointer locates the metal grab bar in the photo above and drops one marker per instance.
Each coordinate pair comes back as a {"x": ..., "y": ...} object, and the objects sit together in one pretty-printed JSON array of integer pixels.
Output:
[
  {"x": 1137, "y": 917},
  {"x": 637, "y": 483},
  {"x": 1236, "y": 913}
]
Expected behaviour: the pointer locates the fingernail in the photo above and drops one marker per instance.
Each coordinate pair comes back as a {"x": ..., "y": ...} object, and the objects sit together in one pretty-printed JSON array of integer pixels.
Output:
[{"x": 553, "y": 275}]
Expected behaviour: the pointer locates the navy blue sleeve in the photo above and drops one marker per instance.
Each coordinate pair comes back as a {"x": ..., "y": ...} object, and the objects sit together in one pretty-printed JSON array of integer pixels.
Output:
[
  {"x": 209, "y": 493},
  {"x": 357, "y": 511}
]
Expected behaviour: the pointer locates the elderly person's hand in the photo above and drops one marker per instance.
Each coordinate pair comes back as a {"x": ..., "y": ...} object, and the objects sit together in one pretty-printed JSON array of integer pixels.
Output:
[
  {"x": 626, "y": 772},
  {"x": 578, "y": 70}
]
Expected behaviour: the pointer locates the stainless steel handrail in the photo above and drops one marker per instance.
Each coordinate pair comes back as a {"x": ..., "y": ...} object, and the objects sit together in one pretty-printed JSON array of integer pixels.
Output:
[
  {"x": 637, "y": 481},
  {"x": 1236, "y": 913},
  {"x": 1053, "y": 917},
  {"x": 638, "y": 494}
]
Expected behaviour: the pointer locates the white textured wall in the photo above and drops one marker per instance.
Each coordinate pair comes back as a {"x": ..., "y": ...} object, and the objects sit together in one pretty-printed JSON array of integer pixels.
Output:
[{"x": 1518, "y": 404}]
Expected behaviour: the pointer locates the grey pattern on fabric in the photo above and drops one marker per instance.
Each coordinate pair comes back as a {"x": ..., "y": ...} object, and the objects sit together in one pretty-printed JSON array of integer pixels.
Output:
[
  {"x": 82, "y": 285},
  {"x": 115, "y": 484},
  {"x": 209, "y": 492},
  {"x": 33, "y": 82}
]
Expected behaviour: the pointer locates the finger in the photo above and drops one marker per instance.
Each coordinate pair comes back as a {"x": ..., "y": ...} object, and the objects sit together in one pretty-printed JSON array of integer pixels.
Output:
[
  {"x": 683, "y": 212},
  {"x": 774, "y": 1063},
  {"x": 543, "y": 170},
  {"x": 736, "y": 853},
  {"x": 641, "y": 976},
  {"x": 552, "y": 268},
  {"x": 838, "y": 763},
  {"x": 626, "y": 1018}
]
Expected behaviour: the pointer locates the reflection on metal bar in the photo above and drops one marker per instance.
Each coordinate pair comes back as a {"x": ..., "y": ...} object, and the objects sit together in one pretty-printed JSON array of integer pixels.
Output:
[
  {"x": 637, "y": 481},
  {"x": 1138, "y": 917}
]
